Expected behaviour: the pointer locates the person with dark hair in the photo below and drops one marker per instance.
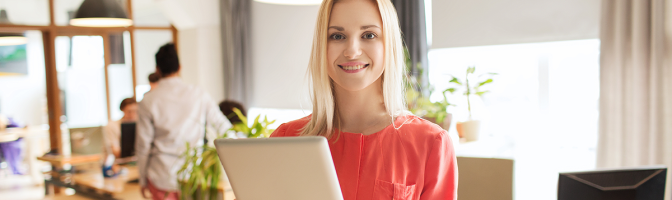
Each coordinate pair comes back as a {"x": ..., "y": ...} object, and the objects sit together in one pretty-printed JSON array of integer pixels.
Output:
[
  {"x": 153, "y": 80},
  {"x": 112, "y": 132},
  {"x": 227, "y": 106},
  {"x": 168, "y": 117}
]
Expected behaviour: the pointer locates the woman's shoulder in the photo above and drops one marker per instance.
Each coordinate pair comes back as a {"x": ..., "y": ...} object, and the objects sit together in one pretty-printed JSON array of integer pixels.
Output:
[
  {"x": 421, "y": 127},
  {"x": 424, "y": 134},
  {"x": 292, "y": 128}
]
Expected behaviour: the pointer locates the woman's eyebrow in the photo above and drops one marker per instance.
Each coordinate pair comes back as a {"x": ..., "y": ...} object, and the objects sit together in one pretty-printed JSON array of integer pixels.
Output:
[
  {"x": 362, "y": 28},
  {"x": 369, "y": 26},
  {"x": 337, "y": 28}
]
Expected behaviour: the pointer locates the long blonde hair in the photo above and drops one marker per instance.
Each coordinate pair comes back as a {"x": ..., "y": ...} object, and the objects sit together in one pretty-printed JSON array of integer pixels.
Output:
[{"x": 324, "y": 108}]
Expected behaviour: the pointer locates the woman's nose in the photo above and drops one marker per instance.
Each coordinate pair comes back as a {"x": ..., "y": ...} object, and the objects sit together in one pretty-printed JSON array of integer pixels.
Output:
[{"x": 353, "y": 50}]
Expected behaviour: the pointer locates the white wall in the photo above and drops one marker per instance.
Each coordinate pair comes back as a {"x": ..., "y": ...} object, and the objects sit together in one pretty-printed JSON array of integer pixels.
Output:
[
  {"x": 199, "y": 45},
  {"x": 459, "y": 23},
  {"x": 282, "y": 36},
  {"x": 200, "y": 52},
  {"x": 281, "y": 42},
  {"x": 147, "y": 43}
]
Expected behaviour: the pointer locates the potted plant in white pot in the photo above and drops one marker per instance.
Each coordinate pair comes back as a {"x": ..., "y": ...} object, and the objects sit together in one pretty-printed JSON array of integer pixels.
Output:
[
  {"x": 201, "y": 173},
  {"x": 469, "y": 129}
]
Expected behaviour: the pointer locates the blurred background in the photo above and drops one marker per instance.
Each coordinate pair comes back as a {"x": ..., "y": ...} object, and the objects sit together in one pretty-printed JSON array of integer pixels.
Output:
[{"x": 544, "y": 95}]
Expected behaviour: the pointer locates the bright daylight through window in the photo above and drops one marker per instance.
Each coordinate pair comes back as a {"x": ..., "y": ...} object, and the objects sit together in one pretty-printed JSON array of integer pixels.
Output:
[{"x": 541, "y": 111}]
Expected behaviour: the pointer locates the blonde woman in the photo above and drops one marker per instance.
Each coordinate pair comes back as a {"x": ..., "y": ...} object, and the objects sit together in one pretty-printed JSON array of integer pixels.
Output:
[{"x": 379, "y": 150}]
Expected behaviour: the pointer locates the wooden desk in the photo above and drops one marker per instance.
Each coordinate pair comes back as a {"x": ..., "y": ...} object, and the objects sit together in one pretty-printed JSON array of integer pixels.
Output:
[
  {"x": 58, "y": 160},
  {"x": 61, "y": 173},
  {"x": 94, "y": 180}
]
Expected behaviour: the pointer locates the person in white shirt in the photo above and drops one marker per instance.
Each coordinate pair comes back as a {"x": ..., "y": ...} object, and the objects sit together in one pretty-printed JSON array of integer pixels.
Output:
[
  {"x": 168, "y": 117},
  {"x": 112, "y": 132}
]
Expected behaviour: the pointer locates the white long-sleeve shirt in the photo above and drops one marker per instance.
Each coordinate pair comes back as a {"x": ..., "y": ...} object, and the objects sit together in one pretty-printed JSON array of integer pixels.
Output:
[
  {"x": 111, "y": 137},
  {"x": 168, "y": 117}
]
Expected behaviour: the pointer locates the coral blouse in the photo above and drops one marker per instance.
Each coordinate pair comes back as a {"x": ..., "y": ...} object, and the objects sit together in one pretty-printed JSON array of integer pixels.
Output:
[{"x": 417, "y": 161}]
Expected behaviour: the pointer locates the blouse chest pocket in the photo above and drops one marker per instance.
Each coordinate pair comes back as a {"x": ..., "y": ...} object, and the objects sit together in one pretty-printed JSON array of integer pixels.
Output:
[{"x": 384, "y": 190}]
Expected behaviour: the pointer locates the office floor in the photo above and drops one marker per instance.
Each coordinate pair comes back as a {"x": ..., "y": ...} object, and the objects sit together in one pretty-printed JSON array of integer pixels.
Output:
[{"x": 14, "y": 187}]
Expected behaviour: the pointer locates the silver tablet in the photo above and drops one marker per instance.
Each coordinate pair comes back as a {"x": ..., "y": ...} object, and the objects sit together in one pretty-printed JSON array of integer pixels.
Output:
[{"x": 283, "y": 168}]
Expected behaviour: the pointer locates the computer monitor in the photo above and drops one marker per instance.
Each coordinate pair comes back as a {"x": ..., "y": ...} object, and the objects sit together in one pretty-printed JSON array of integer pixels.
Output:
[
  {"x": 127, "y": 142},
  {"x": 647, "y": 183}
]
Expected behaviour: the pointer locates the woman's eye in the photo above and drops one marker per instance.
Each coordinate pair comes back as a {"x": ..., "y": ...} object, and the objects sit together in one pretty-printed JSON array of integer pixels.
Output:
[
  {"x": 369, "y": 36},
  {"x": 337, "y": 37}
]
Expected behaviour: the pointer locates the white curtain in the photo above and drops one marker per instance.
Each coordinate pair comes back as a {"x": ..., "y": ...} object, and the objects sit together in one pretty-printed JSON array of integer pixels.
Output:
[{"x": 636, "y": 85}]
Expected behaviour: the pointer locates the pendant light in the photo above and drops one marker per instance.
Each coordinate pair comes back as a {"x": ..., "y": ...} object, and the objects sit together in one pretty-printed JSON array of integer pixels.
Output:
[
  {"x": 100, "y": 13},
  {"x": 292, "y": 2},
  {"x": 8, "y": 39}
]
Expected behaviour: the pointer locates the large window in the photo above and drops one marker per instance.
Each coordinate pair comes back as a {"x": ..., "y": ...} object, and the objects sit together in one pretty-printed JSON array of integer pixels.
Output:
[{"x": 542, "y": 110}]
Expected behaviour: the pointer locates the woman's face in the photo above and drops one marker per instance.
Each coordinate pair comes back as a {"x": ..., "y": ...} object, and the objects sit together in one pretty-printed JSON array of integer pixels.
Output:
[{"x": 355, "y": 44}]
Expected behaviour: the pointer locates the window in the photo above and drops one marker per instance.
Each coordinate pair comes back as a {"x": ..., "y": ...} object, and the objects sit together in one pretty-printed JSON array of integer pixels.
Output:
[{"x": 542, "y": 110}]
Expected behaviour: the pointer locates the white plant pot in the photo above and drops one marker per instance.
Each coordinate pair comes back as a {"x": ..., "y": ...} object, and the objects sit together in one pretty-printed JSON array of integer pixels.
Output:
[{"x": 469, "y": 130}]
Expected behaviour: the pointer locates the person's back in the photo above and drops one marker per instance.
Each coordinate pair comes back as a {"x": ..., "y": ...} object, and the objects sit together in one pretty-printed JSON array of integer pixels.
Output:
[
  {"x": 179, "y": 107},
  {"x": 168, "y": 117}
]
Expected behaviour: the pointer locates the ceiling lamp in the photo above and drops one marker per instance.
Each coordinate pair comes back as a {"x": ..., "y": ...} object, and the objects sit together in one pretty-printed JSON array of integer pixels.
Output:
[
  {"x": 292, "y": 2},
  {"x": 100, "y": 13},
  {"x": 8, "y": 39}
]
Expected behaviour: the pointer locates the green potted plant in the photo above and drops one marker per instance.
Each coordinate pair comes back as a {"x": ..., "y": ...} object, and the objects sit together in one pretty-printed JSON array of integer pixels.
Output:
[
  {"x": 420, "y": 104},
  {"x": 432, "y": 111},
  {"x": 469, "y": 129},
  {"x": 201, "y": 173}
]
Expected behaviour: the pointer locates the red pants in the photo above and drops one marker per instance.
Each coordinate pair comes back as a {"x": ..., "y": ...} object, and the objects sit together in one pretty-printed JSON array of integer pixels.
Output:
[{"x": 158, "y": 194}]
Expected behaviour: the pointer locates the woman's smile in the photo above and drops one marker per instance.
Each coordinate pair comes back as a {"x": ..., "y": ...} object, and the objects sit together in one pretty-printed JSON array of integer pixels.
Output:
[{"x": 353, "y": 67}]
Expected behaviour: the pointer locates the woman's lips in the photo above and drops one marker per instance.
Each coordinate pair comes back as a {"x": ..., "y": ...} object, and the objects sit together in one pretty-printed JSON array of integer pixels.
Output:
[{"x": 353, "y": 68}]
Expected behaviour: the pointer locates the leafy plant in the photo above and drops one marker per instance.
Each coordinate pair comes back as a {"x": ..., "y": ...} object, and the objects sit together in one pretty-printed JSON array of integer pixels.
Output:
[
  {"x": 201, "y": 170},
  {"x": 418, "y": 103},
  {"x": 257, "y": 128},
  {"x": 422, "y": 106},
  {"x": 470, "y": 88}
]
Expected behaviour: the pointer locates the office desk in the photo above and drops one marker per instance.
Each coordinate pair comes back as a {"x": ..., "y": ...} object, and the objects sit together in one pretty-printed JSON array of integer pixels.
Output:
[
  {"x": 99, "y": 187},
  {"x": 61, "y": 171},
  {"x": 58, "y": 160}
]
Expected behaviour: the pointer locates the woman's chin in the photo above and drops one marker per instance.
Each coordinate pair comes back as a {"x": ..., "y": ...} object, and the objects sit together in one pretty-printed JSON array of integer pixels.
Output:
[{"x": 355, "y": 85}]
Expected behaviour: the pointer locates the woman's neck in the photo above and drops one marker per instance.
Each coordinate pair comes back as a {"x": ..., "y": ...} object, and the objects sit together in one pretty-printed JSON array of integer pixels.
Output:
[{"x": 361, "y": 111}]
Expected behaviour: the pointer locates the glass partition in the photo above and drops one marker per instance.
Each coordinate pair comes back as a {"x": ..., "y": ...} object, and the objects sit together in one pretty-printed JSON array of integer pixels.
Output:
[
  {"x": 81, "y": 79},
  {"x": 120, "y": 73},
  {"x": 22, "y": 80}
]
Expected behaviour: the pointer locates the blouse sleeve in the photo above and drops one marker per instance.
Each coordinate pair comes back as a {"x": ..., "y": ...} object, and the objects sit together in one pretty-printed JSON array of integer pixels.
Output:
[
  {"x": 281, "y": 131},
  {"x": 441, "y": 170}
]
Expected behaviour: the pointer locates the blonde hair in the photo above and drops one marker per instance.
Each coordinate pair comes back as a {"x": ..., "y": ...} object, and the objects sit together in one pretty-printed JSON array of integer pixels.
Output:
[{"x": 324, "y": 107}]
